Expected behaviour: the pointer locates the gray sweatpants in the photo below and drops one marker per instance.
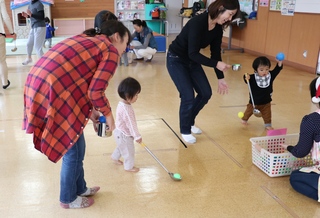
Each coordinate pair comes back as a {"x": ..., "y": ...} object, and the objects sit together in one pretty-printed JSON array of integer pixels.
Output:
[{"x": 36, "y": 39}]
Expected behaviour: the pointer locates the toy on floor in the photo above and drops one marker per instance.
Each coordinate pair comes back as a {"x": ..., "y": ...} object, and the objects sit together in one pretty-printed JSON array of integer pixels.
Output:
[
  {"x": 240, "y": 114},
  {"x": 174, "y": 176}
]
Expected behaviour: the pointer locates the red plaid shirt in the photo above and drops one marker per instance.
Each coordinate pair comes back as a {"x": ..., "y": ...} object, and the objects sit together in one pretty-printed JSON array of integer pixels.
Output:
[{"x": 63, "y": 87}]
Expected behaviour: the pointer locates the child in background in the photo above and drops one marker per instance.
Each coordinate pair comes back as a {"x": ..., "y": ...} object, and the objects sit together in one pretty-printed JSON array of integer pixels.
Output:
[
  {"x": 261, "y": 83},
  {"x": 49, "y": 30},
  {"x": 126, "y": 131}
]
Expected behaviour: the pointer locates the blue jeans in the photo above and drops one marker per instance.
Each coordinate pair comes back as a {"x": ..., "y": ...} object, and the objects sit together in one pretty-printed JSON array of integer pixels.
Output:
[
  {"x": 189, "y": 77},
  {"x": 72, "y": 181},
  {"x": 305, "y": 183}
]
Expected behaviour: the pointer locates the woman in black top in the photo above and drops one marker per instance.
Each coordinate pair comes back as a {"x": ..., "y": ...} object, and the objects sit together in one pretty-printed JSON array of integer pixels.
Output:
[
  {"x": 306, "y": 180},
  {"x": 184, "y": 61}
]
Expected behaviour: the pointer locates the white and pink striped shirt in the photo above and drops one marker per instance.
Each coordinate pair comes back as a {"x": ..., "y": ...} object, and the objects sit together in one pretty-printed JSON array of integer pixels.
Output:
[{"x": 126, "y": 120}]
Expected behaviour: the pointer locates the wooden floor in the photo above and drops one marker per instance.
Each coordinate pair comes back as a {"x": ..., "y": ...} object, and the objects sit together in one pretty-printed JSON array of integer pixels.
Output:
[{"x": 218, "y": 177}]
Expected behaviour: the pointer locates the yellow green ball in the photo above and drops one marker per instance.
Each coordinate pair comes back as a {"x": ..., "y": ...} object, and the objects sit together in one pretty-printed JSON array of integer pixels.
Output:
[{"x": 240, "y": 114}]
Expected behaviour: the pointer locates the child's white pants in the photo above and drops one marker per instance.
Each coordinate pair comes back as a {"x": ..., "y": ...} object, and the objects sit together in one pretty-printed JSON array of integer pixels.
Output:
[{"x": 125, "y": 148}]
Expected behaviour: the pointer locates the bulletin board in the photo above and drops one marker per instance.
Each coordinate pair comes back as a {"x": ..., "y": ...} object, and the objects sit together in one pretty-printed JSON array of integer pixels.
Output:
[
  {"x": 247, "y": 5},
  {"x": 275, "y": 5},
  {"x": 300, "y": 6}
]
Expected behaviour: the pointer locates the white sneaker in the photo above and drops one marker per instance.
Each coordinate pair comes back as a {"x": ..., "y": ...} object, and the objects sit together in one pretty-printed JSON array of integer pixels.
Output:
[
  {"x": 195, "y": 130},
  {"x": 27, "y": 61},
  {"x": 189, "y": 138}
]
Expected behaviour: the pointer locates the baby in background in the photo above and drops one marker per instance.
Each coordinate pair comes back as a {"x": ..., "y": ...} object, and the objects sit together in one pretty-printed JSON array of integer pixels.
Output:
[
  {"x": 126, "y": 131},
  {"x": 49, "y": 30}
]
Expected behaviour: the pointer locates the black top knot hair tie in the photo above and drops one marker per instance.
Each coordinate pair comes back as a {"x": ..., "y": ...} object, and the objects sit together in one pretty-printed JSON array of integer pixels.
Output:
[{"x": 98, "y": 30}]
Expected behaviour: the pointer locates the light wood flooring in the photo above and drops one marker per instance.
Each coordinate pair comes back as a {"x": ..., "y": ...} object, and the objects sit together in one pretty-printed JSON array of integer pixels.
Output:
[{"x": 218, "y": 177}]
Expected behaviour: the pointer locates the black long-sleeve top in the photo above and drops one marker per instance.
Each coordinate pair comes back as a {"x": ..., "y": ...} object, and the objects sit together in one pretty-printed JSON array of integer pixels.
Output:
[
  {"x": 195, "y": 36},
  {"x": 262, "y": 95},
  {"x": 309, "y": 132}
]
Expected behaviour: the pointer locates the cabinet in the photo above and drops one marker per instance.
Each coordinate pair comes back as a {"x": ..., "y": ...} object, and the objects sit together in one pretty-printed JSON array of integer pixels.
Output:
[{"x": 128, "y": 10}]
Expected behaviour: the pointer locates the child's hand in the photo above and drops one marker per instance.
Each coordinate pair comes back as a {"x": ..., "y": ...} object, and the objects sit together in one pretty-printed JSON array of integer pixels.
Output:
[
  {"x": 55, "y": 27},
  {"x": 139, "y": 140},
  {"x": 279, "y": 63},
  {"x": 247, "y": 76}
]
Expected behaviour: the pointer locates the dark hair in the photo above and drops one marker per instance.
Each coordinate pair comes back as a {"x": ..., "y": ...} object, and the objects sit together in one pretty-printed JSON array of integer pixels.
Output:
[
  {"x": 102, "y": 16},
  {"x": 139, "y": 22},
  {"x": 109, "y": 28},
  {"x": 261, "y": 61},
  {"x": 128, "y": 88},
  {"x": 219, "y": 6},
  {"x": 47, "y": 20}
]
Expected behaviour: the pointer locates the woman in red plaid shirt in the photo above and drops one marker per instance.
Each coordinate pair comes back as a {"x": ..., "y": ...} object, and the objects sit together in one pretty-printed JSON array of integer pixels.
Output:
[{"x": 66, "y": 88}]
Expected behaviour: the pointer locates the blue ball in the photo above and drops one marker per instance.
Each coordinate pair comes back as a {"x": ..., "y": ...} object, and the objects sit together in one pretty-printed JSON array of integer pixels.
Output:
[{"x": 280, "y": 56}]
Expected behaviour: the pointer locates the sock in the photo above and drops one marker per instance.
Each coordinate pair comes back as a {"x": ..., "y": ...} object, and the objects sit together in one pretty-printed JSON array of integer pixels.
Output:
[
  {"x": 189, "y": 138},
  {"x": 195, "y": 130}
]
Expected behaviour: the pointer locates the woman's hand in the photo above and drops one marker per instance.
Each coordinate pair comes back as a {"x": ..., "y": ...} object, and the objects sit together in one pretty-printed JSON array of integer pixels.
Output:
[
  {"x": 284, "y": 146},
  {"x": 223, "y": 66},
  {"x": 139, "y": 140},
  {"x": 110, "y": 122},
  {"x": 95, "y": 119},
  {"x": 222, "y": 87},
  {"x": 258, "y": 147},
  {"x": 24, "y": 14},
  {"x": 29, "y": 12},
  {"x": 14, "y": 36}
]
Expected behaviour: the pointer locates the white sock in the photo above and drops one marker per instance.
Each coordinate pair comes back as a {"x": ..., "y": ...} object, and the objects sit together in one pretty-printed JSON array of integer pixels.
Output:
[
  {"x": 76, "y": 203},
  {"x": 189, "y": 138},
  {"x": 27, "y": 61},
  {"x": 195, "y": 130},
  {"x": 86, "y": 192}
]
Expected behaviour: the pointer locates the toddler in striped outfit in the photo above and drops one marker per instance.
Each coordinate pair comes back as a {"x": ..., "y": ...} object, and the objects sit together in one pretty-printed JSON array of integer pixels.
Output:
[{"x": 126, "y": 131}]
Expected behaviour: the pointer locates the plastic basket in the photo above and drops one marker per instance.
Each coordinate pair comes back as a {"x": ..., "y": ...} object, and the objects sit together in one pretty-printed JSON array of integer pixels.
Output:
[{"x": 273, "y": 159}]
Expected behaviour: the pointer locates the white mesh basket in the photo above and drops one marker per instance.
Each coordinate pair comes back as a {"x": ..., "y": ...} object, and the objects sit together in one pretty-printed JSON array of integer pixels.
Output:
[{"x": 273, "y": 159}]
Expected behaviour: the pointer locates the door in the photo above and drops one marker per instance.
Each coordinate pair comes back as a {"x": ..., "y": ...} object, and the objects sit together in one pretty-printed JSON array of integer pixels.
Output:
[{"x": 174, "y": 21}]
